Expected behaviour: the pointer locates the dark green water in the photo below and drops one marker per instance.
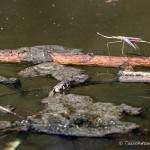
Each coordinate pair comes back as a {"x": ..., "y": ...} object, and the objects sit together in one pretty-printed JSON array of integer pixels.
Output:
[{"x": 74, "y": 23}]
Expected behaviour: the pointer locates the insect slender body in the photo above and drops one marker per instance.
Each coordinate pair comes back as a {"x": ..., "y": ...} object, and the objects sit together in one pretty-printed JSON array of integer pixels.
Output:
[{"x": 130, "y": 40}]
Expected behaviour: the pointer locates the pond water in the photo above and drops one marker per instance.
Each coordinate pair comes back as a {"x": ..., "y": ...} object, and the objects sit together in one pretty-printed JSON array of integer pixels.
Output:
[{"x": 73, "y": 24}]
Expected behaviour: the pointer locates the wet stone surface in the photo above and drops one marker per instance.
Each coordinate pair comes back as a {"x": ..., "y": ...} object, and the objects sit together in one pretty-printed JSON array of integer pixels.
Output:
[
  {"x": 71, "y": 114},
  {"x": 57, "y": 71},
  {"x": 130, "y": 110},
  {"x": 41, "y": 54},
  {"x": 76, "y": 115},
  {"x": 5, "y": 80}
]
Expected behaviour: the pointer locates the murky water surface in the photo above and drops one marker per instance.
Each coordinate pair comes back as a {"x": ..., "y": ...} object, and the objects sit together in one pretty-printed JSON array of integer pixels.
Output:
[{"x": 74, "y": 23}]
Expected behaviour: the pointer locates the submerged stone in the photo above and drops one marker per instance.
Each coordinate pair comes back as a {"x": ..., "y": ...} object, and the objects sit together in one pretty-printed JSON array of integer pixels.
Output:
[
  {"x": 42, "y": 54},
  {"x": 5, "y": 80},
  {"x": 57, "y": 71},
  {"x": 76, "y": 115},
  {"x": 131, "y": 110}
]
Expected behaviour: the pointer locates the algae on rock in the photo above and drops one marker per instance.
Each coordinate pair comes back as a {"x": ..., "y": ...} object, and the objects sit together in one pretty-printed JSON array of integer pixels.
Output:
[{"x": 77, "y": 115}]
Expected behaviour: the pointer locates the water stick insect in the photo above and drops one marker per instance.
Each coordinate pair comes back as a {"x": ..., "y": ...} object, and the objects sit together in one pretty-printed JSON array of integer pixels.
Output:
[{"x": 130, "y": 40}]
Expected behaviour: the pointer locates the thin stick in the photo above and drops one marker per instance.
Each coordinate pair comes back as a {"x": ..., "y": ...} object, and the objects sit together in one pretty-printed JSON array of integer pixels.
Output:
[{"x": 12, "y": 113}]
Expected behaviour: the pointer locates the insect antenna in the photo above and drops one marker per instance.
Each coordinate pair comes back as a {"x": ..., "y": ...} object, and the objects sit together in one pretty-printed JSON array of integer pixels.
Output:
[{"x": 108, "y": 37}]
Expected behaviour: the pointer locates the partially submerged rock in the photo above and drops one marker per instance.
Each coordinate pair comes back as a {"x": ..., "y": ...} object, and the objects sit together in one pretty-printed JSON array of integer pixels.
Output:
[
  {"x": 5, "y": 80},
  {"x": 7, "y": 126},
  {"x": 59, "y": 72},
  {"x": 41, "y": 54},
  {"x": 76, "y": 115},
  {"x": 131, "y": 110}
]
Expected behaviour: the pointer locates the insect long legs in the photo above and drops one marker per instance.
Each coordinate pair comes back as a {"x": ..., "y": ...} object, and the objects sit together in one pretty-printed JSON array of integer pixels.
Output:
[
  {"x": 111, "y": 43},
  {"x": 130, "y": 40}
]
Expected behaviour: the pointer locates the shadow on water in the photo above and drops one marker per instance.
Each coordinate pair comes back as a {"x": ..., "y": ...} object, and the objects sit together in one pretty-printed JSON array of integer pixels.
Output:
[{"x": 74, "y": 24}]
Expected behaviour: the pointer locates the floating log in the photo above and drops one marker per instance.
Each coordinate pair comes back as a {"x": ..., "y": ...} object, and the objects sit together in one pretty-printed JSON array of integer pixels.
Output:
[
  {"x": 35, "y": 55},
  {"x": 134, "y": 79},
  {"x": 11, "y": 56},
  {"x": 132, "y": 76},
  {"x": 134, "y": 73},
  {"x": 106, "y": 61},
  {"x": 47, "y": 54}
]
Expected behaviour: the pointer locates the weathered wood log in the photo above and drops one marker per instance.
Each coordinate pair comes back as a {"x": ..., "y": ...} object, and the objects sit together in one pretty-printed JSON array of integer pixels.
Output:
[
  {"x": 131, "y": 76},
  {"x": 35, "y": 55},
  {"x": 134, "y": 79},
  {"x": 46, "y": 54},
  {"x": 106, "y": 61},
  {"x": 134, "y": 73},
  {"x": 11, "y": 56}
]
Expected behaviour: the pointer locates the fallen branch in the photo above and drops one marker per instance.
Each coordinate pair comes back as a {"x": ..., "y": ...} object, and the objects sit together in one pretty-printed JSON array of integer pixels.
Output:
[
  {"x": 106, "y": 61},
  {"x": 11, "y": 56},
  {"x": 131, "y": 76},
  {"x": 40, "y": 54},
  {"x": 134, "y": 79},
  {"x": 134, "y": 73},
  {"x": 11, "y": 112}
]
